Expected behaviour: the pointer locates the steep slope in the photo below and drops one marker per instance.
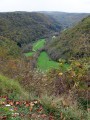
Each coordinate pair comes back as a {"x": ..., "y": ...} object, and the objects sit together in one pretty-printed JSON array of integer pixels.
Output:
[
  {"x": 74, "y": 42},
  {"x": 8, "y": 48},
  {"x": 67, "y": 20},
  {"x": 10, "y": 55},
  {"x": 25, "y": 27}
]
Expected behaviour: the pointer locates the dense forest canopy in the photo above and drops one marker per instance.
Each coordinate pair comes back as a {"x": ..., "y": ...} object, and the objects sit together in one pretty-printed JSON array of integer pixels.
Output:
[{"x": 26, "y": 27}]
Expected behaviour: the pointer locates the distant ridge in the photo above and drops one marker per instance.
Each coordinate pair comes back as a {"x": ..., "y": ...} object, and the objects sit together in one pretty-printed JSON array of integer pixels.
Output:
[{"x": 66, "y": 19}]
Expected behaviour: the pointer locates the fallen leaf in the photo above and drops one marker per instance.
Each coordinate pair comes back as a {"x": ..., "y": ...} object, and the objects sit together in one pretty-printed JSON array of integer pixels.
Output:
[{"x": 43, "y": 115}]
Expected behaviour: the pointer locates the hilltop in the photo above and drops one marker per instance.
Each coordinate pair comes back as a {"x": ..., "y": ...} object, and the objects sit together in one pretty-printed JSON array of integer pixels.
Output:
[
  {"x": 66, "y": 20},
  {"x": 74, "y": 42}
]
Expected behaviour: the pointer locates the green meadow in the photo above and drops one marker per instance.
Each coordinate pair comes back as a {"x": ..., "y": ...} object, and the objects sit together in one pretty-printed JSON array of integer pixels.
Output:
[
  {"x": 29, "y": 54},
  {"x": 39, "y": 44},
  {"x": 45, "y": 63},
  {"x": 36, "y": 46}
]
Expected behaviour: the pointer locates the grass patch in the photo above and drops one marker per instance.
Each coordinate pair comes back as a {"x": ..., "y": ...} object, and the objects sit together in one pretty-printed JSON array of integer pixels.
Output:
[
  {"x": 39, "y": 44},
  {"x": 36, "y": 46},
  {"x": 29, "y": 54},
  {"x": 44, "y": 62}
]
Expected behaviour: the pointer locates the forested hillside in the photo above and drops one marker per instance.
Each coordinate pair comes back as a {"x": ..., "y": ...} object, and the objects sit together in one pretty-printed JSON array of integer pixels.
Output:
[
  {"x": 74, "y": 42},
  {"x": 26, "y": 27},
  {"x": 67, "y": 20}
]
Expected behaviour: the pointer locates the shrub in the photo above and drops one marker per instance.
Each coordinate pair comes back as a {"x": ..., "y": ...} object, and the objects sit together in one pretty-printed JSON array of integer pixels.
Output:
[
  {"x": 54, "y": 106},
  {"x": 11, "y": 88}
]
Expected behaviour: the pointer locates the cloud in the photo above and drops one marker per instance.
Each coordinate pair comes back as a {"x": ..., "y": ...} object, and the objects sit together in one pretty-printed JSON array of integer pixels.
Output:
[{"x": 45, "y": 5}]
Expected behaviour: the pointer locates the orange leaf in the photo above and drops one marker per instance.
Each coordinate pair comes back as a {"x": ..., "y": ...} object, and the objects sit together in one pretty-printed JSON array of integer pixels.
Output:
[
  {"x": 40, "y": 109},
  {"x": 15, "y": 108},
  {"x": 11, "y": 103},
  {"x": 31, "y": 109},
  {"x": 43, "y": 115},
  {"x": 51, "y": 117},
  {"x": 27, "y": 105},
  {"x": 17, "y": 103}
]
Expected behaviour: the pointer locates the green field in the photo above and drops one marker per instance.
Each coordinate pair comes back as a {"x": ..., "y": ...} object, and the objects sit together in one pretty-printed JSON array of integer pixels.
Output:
[
  {"x": 36, "y": 46},
  {"x": 29, "y": 54},
  {"x": 39, "y": 44},
  {"x": 44, "y": 62}
]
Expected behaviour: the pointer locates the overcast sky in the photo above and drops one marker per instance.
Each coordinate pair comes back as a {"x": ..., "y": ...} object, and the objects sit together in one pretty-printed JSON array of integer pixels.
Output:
[{"x": 45, "y": 5}]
